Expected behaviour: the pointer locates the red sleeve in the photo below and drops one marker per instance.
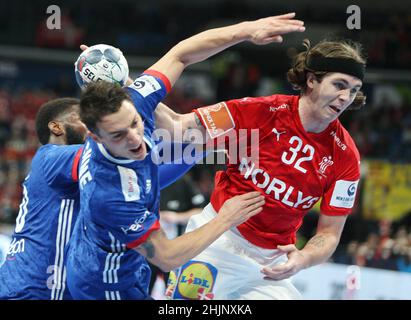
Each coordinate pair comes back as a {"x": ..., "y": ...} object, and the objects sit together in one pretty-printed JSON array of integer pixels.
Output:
[
  {"x": 339, "y": 199},
  {"x": 216, "y": 119},
  {"x": 161, "y": 76}
]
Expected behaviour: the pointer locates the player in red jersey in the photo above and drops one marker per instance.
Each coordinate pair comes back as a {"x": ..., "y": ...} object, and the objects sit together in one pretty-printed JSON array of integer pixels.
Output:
[{"x": 304, "y": 154}]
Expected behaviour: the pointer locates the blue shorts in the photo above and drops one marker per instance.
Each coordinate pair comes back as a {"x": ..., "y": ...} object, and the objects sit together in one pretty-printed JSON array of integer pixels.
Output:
[{"x": 86, "y": 290}]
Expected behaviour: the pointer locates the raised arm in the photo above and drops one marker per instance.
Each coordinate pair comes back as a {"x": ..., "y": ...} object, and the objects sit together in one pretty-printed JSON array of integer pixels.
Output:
[
  {"x": 169, "y": 254},
  {"x": 205, "y": 44}
]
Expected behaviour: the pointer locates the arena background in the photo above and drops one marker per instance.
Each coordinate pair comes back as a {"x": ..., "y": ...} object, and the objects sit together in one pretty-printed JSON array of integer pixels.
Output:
[{"x": 373, "y": 260}]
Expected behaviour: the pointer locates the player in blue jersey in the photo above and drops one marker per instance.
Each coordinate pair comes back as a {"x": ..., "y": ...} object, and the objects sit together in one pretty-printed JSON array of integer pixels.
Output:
[
  {"x": 34, "y": 265},
  {"x": 118, "y": 223}
]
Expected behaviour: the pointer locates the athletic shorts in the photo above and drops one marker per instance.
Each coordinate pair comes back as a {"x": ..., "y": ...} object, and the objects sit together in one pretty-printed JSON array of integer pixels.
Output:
[{"x": 229, "y": 269}]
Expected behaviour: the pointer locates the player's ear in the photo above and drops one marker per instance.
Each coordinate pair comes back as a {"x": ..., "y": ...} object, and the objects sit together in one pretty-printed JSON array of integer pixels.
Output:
[
  {"x": 56, "y": 128},
  {"x": 310, "y": 80}
]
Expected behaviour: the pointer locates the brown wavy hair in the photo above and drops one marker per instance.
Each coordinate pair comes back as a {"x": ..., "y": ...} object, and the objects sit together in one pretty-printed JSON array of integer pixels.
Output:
[
  {"x": 98, "y": 100},
  {"x": 297, "y": 75}
]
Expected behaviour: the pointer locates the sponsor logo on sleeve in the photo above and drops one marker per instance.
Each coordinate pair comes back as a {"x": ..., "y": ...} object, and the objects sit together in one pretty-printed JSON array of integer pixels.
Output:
[
  {"x": 129, "y": 184},
  {"x": 138, "y": 224},
  {"x": 146, "y": 85},
  {"x": 217, "y": 119},
  {"x": 344, "y": 194}
]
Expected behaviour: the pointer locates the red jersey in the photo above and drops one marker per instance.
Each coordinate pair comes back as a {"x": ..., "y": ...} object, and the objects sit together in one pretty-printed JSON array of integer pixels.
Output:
[{"x": 294, "y": 168}]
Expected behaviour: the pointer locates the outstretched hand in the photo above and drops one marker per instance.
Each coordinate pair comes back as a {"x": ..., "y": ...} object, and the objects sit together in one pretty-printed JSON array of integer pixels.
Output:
[
  {"x": 296, "y": 262},
  {"x": 270, "y": 29}
]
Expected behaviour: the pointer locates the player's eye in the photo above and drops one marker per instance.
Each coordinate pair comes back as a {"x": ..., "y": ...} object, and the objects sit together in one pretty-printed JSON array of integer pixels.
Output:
[
  {"x": 117, "y": 136},
  {"x": 339, "y": 85}
]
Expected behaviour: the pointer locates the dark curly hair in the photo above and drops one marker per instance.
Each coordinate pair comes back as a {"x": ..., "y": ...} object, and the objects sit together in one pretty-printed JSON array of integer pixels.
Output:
[{"x": 52, "y": 111}]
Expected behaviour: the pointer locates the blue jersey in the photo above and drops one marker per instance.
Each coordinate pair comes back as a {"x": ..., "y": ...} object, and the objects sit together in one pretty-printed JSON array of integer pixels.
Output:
[
  {"x": 34, "y": 266},
  {"x": 35, "y": 260},
  {"x": 119, "y": 209}
]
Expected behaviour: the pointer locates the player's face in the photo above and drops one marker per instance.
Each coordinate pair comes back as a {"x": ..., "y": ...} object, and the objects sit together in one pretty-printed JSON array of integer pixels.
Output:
[
  {"x": 333, "y": 94},
  {"x": 122, "y": 133}
]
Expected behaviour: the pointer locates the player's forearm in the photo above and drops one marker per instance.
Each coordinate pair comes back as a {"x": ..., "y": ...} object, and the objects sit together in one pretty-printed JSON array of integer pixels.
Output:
[
  {"x": 181, "y": 249},
  {"x": 319, "y": 248},
  {"x": 200, "y": 47},
  {"x": 179, "y": 128},
  {"x": 206, "y": 44}
]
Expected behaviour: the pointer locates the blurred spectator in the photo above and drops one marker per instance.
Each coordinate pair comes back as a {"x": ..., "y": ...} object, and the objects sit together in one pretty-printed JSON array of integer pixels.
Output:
[
  {"x": 404, "y": 260},
  {"x": 68, "y": 36},
  {"x": 5, "y": 118},
  {"x": 385, "y": 260}
]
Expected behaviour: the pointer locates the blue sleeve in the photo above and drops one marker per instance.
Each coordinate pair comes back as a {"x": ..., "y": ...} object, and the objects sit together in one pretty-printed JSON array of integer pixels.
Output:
[
  {"x": 59, "y": 163},
  {"x": 132, "y": 222},
  {"x": 146, "y": 92},
  {"x": 121, "y": 203},
  {"x": 180, "y": 163}
]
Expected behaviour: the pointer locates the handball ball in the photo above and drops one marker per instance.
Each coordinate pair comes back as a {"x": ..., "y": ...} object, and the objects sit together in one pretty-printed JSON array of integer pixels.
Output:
[{"x": 101, "y": 62}]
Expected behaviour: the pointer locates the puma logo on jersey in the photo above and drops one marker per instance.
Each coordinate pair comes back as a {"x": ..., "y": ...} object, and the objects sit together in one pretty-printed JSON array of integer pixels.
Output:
[
  {"x": 287, "y": 194},
  {"x": 278, "y": 133}
]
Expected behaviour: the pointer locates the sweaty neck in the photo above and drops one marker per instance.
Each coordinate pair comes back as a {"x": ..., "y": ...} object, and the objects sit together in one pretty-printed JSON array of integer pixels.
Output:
[{"x": 310, "y": 119}]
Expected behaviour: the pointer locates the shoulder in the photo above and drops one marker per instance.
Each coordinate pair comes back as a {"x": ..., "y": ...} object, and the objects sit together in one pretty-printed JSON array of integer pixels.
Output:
[
  {"x": 53, "y": 154},
  {"x": 55, "y": 149},
  {"x": 343, "y": 138},
  {"x": 346, "y": 152},
  {"x": 263, "y": 108},
  {"x": 273, "y": 100}
]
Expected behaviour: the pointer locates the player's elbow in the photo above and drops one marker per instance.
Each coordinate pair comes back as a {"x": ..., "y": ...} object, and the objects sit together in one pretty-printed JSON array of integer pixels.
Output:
[
  {"x": 167, "y": 264},
  {"x": 186, "y": 52},
  {"x": 167, "y": 258},
  {"x": 163, "y": 266}
]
